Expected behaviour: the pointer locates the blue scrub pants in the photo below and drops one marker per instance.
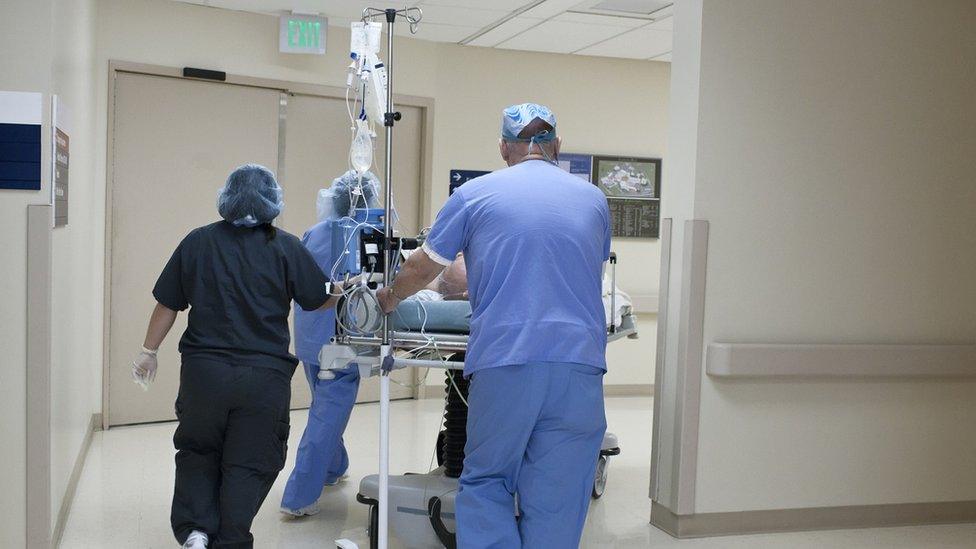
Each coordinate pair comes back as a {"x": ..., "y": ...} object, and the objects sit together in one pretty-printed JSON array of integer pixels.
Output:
[
  {"x": 535, "y": 430},
  {"x": 322, "y": 456}
]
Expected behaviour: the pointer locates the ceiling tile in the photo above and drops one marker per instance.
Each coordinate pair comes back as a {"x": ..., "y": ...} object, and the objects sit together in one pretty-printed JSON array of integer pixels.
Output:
[
  {"x": 605, "y": 20},
  {"x": 550, "y": 8},
  {"x": 500, "y": 5},
  {"x": 505, "y": 31},
  {"x": 664, "y": 23},
  {"x": 455, "y": 20},
  {"x": 350, "y": 9},
  {"x": 641, "y": 43},
  {"x": 460, "y": 16},
  {"x": 561, "y": 37},
  {"x": 436, "y": 32}
]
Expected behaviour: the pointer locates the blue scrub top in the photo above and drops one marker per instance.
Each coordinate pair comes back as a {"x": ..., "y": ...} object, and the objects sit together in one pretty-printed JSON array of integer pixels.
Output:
[
  {"x": 313, "y": 329},
  {"x": 534, "y": 240}
]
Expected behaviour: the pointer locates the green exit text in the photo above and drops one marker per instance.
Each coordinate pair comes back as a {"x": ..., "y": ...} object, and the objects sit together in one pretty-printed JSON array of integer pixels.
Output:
[{"x": 304, "y": 34}]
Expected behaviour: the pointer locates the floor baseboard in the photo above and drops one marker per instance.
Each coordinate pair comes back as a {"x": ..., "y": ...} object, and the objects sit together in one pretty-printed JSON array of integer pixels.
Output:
[
  {"x": 95, "y": 424},
  {"x": 628, "y": 390},
  {"x": 809, "y": 519},
  {"x": 615, "y": 390}
]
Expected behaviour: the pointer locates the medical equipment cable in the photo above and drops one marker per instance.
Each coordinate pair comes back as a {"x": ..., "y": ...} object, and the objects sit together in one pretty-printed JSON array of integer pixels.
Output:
[{"x": 423, "y": 380}]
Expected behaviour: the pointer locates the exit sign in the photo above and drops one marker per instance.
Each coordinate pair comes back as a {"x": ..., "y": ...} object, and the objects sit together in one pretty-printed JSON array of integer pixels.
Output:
[{"x": 302, "y": 34}]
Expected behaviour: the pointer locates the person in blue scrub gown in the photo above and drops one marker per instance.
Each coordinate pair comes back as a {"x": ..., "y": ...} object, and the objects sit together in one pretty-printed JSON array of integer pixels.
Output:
[
  {"x": 535, "y": 240},
  {"x": 322, "y": 459}
]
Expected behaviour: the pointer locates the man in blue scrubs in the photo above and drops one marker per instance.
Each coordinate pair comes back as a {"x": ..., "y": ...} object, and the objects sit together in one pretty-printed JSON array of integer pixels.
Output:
[
  {"x": 534, "y": 240},
  {"x": 322, "y": 459}
]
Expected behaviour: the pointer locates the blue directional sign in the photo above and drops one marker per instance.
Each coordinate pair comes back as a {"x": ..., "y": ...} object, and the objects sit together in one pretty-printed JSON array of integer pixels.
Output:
[
  {"x": 580, "y": 165},
  {"x": 460, "y": 177}
]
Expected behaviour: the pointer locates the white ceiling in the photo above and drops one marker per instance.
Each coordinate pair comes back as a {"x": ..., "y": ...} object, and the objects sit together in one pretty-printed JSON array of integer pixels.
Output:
[{"x": 630, "y": 29}]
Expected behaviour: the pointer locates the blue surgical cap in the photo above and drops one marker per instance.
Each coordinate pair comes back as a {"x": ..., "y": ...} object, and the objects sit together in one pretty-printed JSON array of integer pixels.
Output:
[
  {"x": 517, "y": 117},
  {"x": 251, "y": 197},
  {"x": 346, "y": 194}
]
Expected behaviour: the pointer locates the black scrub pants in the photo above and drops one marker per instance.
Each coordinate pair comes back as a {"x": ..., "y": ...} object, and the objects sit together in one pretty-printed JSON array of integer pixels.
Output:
[{"x": 231, "y": 443}]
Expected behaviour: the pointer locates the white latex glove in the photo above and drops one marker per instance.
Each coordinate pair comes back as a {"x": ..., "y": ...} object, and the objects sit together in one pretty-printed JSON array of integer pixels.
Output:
[{"x": 144, "y": 368}]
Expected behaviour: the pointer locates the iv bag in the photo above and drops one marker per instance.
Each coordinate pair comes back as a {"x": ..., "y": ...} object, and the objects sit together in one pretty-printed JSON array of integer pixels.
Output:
[
  {"x": 364, "y": 38},
  {"x": 373, "y": 32},
  {"x": 361, "y": 151},
  {"x": 357, "y": 40},
  {"x": 375, "y": 100}
]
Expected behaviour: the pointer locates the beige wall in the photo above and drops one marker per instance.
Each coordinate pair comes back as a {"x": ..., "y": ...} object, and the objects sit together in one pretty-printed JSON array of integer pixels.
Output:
[
  {"x": 25, "y": 38},
  {"x": 835, "y": 168},
  {"x": 595, "y": 98},
  {"x": 76, "y": 284},
  {"x": 49, "y": 50}
]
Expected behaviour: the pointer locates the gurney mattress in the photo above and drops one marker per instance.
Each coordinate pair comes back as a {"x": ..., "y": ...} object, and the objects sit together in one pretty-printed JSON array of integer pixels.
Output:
[
  {"x": 448, "y": 317},
  {"x": 444, "y": 317}
]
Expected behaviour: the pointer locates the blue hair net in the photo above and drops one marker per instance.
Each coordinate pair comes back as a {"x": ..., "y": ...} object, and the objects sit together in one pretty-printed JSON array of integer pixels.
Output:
[
  {"x": 251, "y": 197},
  {"x": 517, "y": 117},
  {"x": 346, "y": 194}
]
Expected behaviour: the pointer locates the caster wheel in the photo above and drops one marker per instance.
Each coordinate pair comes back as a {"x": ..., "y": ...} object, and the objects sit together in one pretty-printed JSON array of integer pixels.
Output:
[{"x": 600, "y": 478}]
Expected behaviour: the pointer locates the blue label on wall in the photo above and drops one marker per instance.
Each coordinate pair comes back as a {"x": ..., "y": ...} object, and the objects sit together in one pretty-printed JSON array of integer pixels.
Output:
[
  {"x": 20, "y": 156},
  {"x": 580, "y": 165},
  {"x": 460, "y": 177}
]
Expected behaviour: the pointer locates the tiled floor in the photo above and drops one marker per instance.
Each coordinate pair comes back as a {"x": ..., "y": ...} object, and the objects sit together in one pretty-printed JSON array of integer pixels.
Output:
[{"x": 123, "y": 495}]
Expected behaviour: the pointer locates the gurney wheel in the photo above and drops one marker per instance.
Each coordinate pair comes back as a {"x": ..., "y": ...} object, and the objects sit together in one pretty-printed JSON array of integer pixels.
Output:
[
  {"x": 600, "y": 479},
  {"x": 374, "y": 527}
]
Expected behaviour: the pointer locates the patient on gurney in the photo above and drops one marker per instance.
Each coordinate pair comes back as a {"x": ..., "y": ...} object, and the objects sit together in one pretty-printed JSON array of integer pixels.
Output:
[
  {"x": 450, "y": 285},
  {"x": 443, "y": 307}
]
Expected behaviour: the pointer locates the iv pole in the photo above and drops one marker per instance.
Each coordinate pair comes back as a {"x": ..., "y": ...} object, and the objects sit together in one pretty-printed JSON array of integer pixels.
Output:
[{"x": 413, "y": 17}]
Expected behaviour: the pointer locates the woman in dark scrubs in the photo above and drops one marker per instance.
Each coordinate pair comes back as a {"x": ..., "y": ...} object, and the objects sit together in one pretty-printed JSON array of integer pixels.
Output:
[{"x": 238, "y": 277}]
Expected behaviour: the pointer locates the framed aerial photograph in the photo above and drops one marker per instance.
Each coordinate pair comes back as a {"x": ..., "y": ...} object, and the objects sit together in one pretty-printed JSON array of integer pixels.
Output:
[{"x": 627, "y": 177}]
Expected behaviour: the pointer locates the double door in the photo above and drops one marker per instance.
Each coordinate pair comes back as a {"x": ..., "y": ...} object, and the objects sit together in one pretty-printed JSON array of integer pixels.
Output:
[{"x": 173, "y": 143}]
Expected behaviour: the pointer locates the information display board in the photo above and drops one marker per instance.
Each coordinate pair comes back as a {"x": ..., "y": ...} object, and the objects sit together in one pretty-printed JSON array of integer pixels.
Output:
[
  {"x": 632, "y": 186},
  {"x": 635, "y": 218},
  {"x": 627, "y": 177}
]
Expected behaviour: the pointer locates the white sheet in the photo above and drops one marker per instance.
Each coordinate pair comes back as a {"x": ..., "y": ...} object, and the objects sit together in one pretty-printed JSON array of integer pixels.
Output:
[{"x": 622, "y": 302}]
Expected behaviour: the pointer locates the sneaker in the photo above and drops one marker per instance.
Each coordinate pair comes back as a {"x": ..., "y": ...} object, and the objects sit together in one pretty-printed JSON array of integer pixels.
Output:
[
  {"x": 197, "y": 540},
  {"x": 338, "y": 479},
  {"x": 306, "y": 511}
]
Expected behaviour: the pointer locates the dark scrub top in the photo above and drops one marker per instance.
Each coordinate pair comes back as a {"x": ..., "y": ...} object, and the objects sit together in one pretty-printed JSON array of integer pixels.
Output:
[{"x": 239, "y": 287}]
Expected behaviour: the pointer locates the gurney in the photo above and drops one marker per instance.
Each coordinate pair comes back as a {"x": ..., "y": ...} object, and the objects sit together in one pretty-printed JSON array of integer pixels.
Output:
[{"x": 434, "y": 334}]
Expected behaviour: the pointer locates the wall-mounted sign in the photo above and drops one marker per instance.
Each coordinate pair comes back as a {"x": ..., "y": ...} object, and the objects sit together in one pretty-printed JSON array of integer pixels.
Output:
[
  {"x": 631, "y": 178},
  {"x": 60, "y": 178},
  {"x": 634, "y": 218},
  {"x": 302, "y": 34},
  {"x": 460, "y": 177},
  {"x": 59, "y": 160},
  {"x": 20, "y": 140},
  {"x": 632, "y": 186},
  {"x": 580, "y": 165}
]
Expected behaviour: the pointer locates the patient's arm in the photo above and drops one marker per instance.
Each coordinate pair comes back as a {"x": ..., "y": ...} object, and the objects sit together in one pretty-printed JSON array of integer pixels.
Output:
[
  {"x": 452, "y": 283},
  {"x": 418, "y": 271}
]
